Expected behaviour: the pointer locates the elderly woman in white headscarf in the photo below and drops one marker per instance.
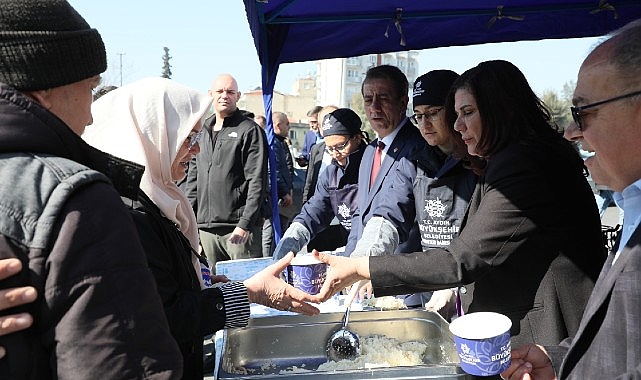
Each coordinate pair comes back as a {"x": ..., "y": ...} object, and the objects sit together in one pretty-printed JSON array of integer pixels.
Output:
[{"x": 156, "y": 123}]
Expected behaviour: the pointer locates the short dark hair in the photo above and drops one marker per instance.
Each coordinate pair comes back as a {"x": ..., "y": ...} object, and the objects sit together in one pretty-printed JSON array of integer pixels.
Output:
[
  {"x": 391, "y": 73},
  {"x": 314, "y": 111}
]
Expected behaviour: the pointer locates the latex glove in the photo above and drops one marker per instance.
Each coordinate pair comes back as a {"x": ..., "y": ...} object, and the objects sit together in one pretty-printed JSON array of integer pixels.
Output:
[
  {"x": 379, "y": 237},
  {"x": 293, "y": 240},
  {"x": 440, "y": 299}
]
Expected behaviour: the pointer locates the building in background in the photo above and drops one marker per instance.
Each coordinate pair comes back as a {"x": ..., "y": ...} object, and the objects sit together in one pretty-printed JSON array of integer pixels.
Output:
[
  {"x": 294, "y": 105},
  {"x": 338, "y": 80}
]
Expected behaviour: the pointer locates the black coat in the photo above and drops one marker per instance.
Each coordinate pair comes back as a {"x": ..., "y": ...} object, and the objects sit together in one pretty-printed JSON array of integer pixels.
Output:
[
  {"x": 191, "y": 312},
  {"x": 97, "y": 314},
  {"x": 313, "y": 169},
  {"x": 530, "y": 247},
  {"x": 227, "y": 180}
]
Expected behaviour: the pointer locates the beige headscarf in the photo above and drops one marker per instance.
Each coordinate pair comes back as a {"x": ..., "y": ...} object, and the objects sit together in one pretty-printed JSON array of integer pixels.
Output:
[{"x": 147, "y": 122}]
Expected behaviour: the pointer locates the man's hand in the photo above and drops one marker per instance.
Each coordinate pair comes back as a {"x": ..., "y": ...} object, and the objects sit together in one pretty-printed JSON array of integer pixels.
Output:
[
  {"x": 14, "y": 297},
  {"x": 286, "y": 201},
  {"x": 267, "y": 288},
  {"x": 219, "y": 279},
  {"x": 239, "y": 236},
  {"x": 529, "y": 362},
  {"x": 341, "y": 273}
]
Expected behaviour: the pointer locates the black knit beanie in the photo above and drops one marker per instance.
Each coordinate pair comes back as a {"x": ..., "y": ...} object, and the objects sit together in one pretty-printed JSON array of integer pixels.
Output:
[{"x": 46, "y": 44}]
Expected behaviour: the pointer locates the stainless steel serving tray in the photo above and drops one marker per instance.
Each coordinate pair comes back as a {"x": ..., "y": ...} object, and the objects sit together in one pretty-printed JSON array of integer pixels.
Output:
[{"x": 273, "y": 346}]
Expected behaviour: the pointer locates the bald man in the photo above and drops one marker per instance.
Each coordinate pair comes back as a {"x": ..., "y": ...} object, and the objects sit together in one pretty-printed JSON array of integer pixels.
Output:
[{"x": 226, "y": 182}]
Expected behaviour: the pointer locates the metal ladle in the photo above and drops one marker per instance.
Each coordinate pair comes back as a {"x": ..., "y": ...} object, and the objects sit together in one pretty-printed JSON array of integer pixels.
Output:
[{"x": 345, "y": 344}]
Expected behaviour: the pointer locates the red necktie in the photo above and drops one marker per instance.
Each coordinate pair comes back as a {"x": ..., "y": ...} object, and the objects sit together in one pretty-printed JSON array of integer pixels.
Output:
[{"x": 376, "y": 165}]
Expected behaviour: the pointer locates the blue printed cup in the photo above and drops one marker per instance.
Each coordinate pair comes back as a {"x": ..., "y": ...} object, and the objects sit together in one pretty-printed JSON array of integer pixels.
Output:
[
  {"x": 206, "y": 274},
  {"x": 306, "y": 273},
  {"x": 483, "y": 342}
]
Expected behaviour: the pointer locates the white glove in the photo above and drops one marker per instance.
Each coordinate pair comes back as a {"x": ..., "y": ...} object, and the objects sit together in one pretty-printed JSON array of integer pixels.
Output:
[
  {"x": 380, "y": 237},
  {"x": 293, "y": 240},
  {"x": 440, "y": 299}
]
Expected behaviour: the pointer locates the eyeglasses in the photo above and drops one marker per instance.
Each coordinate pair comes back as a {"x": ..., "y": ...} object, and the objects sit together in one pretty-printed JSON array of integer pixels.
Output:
[
  {"x": 431, "y": 115},
  {"x": 577, "y": 112},
  {"x": 340, "y": 148},
  {"x": 193, "y": 138}
]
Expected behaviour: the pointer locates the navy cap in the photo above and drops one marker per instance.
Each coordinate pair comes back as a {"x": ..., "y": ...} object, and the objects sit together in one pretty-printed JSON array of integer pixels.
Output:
[
  {"x": 431, "y": 89},
  {"x": 342, "y": 121}
]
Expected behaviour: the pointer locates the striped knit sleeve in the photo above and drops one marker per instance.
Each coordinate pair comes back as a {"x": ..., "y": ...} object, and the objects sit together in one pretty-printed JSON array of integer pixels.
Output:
[{"x": 236, "y": 304}]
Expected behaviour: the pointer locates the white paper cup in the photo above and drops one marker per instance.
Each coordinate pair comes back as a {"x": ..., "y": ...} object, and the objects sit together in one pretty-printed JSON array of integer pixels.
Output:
[
  {"x": 306, "y": 273},
  {"x": 483, "y": 342}
]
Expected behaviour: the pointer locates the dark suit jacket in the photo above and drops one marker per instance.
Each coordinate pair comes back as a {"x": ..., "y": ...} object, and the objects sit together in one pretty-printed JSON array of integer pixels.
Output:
[
  {"x": 407, "y": 142},
  {"x": 530, "y": 247},
  {"x": 313, "y": 168},
  {"x": 608, "y": 342}
]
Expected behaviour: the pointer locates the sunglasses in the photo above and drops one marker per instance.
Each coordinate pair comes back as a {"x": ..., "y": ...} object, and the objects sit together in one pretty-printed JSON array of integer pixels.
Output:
[{"x": 577, "y": 112}]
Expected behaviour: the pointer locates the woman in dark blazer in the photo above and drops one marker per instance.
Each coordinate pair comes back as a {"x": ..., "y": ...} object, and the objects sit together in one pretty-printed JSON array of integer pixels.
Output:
[{"x": 530, "y": 244}]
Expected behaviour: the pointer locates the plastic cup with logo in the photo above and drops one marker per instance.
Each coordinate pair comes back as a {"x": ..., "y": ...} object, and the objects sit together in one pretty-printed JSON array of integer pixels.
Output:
[
  {"x": 306, "y": 273},
  {"x": 206, "y": 274},
  {"x": 483, "y": 342}
]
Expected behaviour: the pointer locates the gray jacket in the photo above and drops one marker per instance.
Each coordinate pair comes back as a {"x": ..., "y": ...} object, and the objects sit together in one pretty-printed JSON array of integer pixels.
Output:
[
  {"x": 607, "y": 344},
  {"x": 98, "y": 314}
]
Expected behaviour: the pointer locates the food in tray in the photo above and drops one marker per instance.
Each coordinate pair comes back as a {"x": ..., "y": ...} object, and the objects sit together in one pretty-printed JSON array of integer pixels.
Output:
[
  {"x": 384, "y": 303},
  {"x": 381, "y": 351}
]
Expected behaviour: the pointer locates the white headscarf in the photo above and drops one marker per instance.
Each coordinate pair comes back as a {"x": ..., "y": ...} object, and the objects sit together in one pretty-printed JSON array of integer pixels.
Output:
[{"x": 147, "y": 122}]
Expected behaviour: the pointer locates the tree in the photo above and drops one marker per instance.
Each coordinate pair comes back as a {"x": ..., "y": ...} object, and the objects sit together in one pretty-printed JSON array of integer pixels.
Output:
[
  {"x": 166, "y": 67},
  {"x": 568, "y": 90},
  {"x": 559, "y": 106},
  {"x": 357, "y": 105}
]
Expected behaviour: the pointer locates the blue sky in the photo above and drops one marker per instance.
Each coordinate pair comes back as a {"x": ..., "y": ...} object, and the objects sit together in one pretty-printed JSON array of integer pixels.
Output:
[{"x": 206, "y": 38}]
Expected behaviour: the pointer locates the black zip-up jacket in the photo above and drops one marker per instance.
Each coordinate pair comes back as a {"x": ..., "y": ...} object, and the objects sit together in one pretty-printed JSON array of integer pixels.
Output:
[{"x": 226, "y": 181}]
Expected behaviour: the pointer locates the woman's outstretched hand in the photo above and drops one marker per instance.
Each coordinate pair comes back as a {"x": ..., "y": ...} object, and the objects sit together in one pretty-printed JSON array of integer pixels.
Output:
[
  {"x": 341, "y": 273},
  {"x": 268, "y": 288}
]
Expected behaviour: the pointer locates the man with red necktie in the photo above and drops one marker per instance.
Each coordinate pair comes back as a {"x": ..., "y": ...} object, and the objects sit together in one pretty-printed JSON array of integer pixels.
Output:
[{"x": 385, "y": 95}]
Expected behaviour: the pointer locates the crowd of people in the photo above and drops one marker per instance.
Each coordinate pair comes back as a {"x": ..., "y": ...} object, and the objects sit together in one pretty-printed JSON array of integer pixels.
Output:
[{"x": 116, "y": 212}]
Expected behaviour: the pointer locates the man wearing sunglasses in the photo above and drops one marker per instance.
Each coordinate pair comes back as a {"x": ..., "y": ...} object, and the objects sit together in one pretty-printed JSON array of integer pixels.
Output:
[{"x": 607, "y": 119}]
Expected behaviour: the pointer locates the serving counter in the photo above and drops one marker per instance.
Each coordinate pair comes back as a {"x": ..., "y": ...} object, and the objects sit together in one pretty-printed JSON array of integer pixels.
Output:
[{"x": 293, "y": 346}]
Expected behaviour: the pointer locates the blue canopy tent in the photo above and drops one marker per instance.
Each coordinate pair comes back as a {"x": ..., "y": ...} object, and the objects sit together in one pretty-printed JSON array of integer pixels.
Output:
[{"x": 302, "y": 30}]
